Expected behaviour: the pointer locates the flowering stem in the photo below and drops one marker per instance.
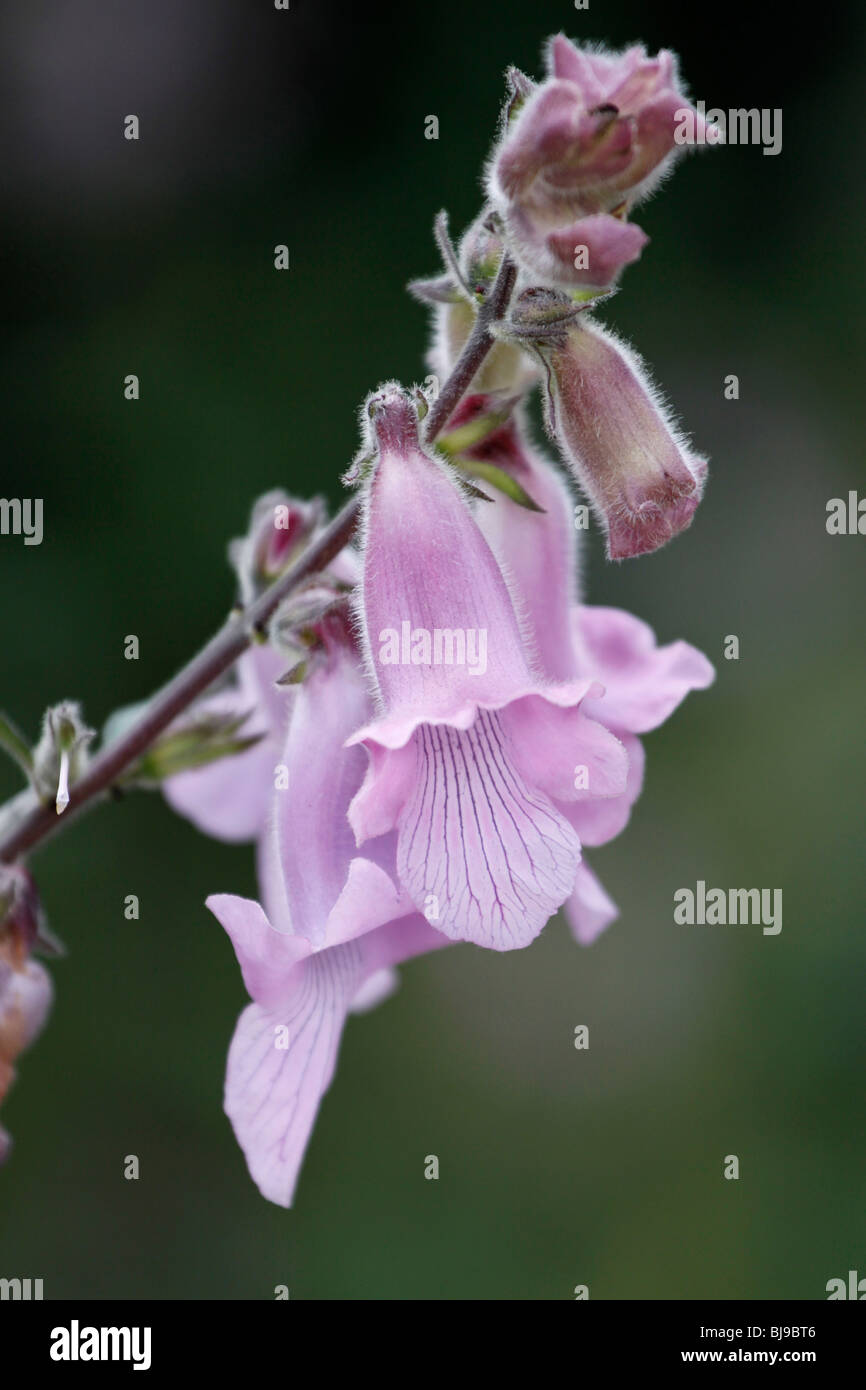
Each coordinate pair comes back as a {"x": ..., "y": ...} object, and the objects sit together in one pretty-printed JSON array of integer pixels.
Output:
[
  {"x": 242, "y": 628},
  {"x": 478, "y": 344}
]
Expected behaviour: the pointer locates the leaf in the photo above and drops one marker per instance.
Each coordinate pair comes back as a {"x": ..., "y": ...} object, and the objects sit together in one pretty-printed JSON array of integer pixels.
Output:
[
  {"x": 164, "y": 761},
  {"x": 470, "y": 435},
  {"x": 13, "y": 742}
]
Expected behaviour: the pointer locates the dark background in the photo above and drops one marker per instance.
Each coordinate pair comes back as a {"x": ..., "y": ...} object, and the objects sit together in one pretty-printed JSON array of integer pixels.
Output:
[{"x": 557, "y": 1167}]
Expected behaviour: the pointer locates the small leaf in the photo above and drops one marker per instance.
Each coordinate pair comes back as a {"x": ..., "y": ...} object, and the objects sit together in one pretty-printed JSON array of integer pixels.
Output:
[
  {"x": 439, "y": 290},
  {"x": 203, "y": 737},
  {"x": 13, "y": 742},
  {"x": 473, "y": 433},
  {"x": 162, "y": 762}
]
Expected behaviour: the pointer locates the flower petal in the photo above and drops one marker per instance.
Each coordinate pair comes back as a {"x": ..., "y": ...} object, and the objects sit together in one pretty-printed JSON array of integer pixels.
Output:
[
  {"x": 599, "y": 819},
  {"x": 280, "y": 1063},
  {"x": 487, "y": 858},
  {"x": 562, "y": 752},
  {"x": 591, "y": 252},
  {"x": 643, "y": 682},
  {"x": 439, "y": 626},
  {"x": 267, "y": 957},
  {"x": 589, "y": 909},
  {"x": 284, "y": 1050},
  {"x": 374, "y": 991},
  {"x": 229, "y": 798},
  {"x": 536, "y": 550},
  {"x": 310, "y": 841}
]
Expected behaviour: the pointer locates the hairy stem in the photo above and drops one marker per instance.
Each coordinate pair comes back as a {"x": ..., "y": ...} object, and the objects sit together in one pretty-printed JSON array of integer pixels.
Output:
[
  {"x": 477, "y": 346},
  {"x": 240, "y": 630}
]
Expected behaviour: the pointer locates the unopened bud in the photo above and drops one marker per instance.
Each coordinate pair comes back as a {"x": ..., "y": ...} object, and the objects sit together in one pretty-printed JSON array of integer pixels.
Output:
[
  {"x": 20, "y": 914},
  {"x": 280, "y": 526},
  {"x": 506, "y": 368},
  {"x": 618, "y": 440},
  {"x": 61, "y": 753}
]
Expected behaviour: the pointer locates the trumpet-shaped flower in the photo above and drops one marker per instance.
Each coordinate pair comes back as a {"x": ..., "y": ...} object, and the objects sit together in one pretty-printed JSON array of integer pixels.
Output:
[
  {"x": 643, "y": 683},
  {"x": 640, "y": 475},
  {"x": 472, "y": 756}
]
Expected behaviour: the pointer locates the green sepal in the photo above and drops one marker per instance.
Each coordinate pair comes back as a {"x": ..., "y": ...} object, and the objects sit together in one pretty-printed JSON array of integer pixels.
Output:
[
  {"x": 499, "y": 479},
  {"x": 202, "y": 741},
  {"x": 13, "y": 742}
]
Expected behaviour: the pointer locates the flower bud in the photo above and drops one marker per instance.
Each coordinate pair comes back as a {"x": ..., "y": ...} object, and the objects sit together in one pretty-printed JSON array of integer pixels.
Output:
[
  {"x": 20, "y": 914},
  {"x": 614, "y": 433},
  {"x": 583, "y": 148},
  {"x": 279, "y": 528},
  {"x": 505, "y": 368},
  {"x": 25, "y": 1001},
  {"x": 25, "y": 986},
  {"x": 61, "y": 755}
]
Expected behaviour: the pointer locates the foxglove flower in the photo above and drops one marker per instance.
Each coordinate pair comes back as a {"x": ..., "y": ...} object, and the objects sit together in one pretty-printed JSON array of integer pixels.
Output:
[
  {"x": 589, "y": 142},
  {"x": 471, "y": 754},
  {"x": 618, "y": 439},
  {"x": 643, "y": 683},
  {"x": 333, "y": 925}
]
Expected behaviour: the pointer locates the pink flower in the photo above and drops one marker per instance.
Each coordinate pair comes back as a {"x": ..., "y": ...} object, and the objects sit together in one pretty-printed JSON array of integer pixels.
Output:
[
  {"x": 618, "y": 439},
  {"x": 642, "y": 683},
  {"x": 284, "y": 1050},
  {"x": 586, "y": 145},
  {"x": 230, "y": 797},
  {"x": 333, "y": 925},
  {"x": 25, "y": 986},
  {"x": 279, "y": 528},
  {"x": 472, "y": 755}
]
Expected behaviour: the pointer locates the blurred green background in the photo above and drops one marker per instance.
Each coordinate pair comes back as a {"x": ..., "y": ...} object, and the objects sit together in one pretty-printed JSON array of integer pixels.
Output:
[{"x": 558, "y": 1167}]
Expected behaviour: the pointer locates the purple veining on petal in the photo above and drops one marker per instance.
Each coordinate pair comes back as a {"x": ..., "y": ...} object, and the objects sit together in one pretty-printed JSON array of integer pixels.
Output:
[
  {"x": 487, "y": 858},
  {"x": 273, "y": 1092}
]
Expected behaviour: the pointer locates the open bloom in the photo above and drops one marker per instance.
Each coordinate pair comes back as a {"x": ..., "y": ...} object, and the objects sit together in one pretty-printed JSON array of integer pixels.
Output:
[
  {"x": 472, "y": 755},
  {"x": 643, "y": 683},
  {"x": 587, "y": 144},
  {"x": 618, "y": 439},
  {"x": 332, "y": 925}
]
